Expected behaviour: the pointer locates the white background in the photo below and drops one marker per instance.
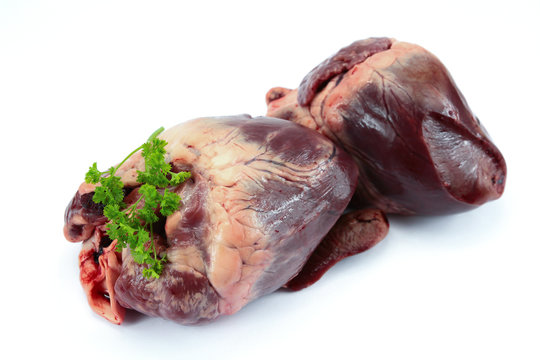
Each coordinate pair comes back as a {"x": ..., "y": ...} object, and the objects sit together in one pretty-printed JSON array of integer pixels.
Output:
[{"x": 88, "y": 81}]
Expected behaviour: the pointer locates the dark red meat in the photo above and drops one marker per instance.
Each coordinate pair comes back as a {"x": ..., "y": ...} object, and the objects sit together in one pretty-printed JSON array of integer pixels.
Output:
[
  {"x": 354, "y": 233},
  {"x": 397, "y": 110}
]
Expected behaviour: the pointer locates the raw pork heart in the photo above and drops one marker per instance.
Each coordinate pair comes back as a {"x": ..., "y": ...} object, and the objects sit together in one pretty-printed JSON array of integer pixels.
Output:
[
  {"x": 396, "y": 109},
  {"x": 262, "y": 195}
]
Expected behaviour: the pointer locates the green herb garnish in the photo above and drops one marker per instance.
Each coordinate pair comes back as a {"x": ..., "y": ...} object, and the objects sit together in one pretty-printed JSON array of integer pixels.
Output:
[{"x": 133, "y": 227}]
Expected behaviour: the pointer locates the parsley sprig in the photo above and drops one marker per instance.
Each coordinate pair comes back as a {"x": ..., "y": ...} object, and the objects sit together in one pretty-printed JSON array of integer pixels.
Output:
[{"x": 133, "y": 226}]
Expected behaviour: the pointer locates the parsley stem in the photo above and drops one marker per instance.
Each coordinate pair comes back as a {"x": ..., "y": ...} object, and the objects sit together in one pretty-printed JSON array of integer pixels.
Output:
[
  {"x": 123, "y": 161},
  {"x": 153, "y": 136},
  {"x": 133, "y": 207},
  {"x": 156, "y": 133},
  {"x": 153, "y": 241}
]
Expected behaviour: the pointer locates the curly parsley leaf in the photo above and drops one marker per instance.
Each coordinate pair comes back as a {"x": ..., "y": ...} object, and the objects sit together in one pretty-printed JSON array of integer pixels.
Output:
[
  {"x": 93, "y": 175},
  {"x": 180, "y": 177},
  {"x": 170, "y": 201},
  {"x": 110, "y": 192}
]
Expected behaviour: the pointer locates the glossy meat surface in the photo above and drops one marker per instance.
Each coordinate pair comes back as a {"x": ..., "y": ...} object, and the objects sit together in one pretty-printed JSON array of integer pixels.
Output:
[
  {"x": 341, "y": 62},
  {"x": 418, "y": 145},
  {"x": 262, "y": 195},
  {"x": 354, "y": 233}
]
